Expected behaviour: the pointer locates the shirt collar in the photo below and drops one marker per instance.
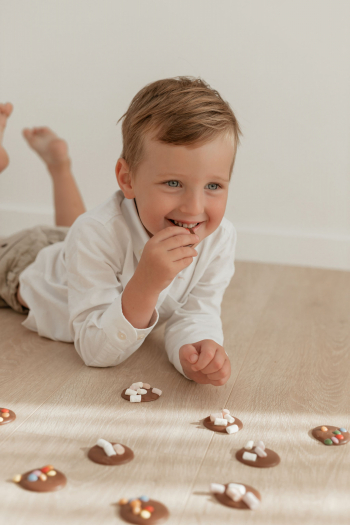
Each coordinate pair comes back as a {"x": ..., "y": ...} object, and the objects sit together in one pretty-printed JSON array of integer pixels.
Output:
[{"x": 139, "y": 235}]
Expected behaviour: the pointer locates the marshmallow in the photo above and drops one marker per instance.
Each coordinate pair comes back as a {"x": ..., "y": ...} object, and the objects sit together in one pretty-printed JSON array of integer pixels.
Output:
[
  {"x": 217, "y": 488},
  {"x": 107, "y": 447},
  {"x": 261, "y": 445},
  {"x": 260, "y": 452},
  {"x": 248, "y": 456},
  {"x": 135, "y": 399},
  {"x": 157, "y": 391},
  {"x": 130, "y": 392},
  {"x": 141, "y": 391},
  {"x": 237, "y": 486},
  {"x": 120, "y": 450},
  {"x": 233, "y": 493},
  {"x": 214, "y": 416},
  {"x": 249, "y": 445},
  {"x": 225, "y": 411},
  {"x": 232, "y": 429},
  {"x": 146, "y": 385},
  {"x": 220, "y": 421},
  {"x": 251, "y": 500},
  {"x": 229, "y": 418},
  {"x": 135, "y": 386}
]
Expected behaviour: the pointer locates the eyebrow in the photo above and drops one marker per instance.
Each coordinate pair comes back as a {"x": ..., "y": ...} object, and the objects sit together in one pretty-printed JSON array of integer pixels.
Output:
[{"x": 178, "y": 175}]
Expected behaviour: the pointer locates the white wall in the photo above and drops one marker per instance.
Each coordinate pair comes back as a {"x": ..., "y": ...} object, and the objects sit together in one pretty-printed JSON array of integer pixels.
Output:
[{"x": 282, "y": 64}]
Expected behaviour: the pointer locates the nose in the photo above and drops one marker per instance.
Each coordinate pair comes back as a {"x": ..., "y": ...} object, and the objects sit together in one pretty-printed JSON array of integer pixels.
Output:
[{"x": 192, "y": 203}]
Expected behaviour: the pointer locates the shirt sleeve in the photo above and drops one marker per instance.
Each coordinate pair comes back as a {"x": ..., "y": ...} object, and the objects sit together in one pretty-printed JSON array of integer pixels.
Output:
[
  {"x": 102, "y": 335},
  {"x": 200, "y": 317}
]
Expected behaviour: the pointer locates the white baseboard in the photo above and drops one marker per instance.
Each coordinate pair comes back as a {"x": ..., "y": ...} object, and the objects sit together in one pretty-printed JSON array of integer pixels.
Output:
[
  {"x": 252, "y": 245},
  {"x": 295, "y": 249}
]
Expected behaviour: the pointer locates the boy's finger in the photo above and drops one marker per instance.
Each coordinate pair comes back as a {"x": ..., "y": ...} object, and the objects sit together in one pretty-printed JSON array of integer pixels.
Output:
[
  {"x": 216, "y": 364},
  {"x": 221, "y": 374},
  {"x": 190, "y": 353},
  {"x": 205, "y": 357}
]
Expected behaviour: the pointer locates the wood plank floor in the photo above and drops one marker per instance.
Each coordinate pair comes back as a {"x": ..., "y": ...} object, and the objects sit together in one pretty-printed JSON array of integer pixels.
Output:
[{"x": 287, "y": 331}]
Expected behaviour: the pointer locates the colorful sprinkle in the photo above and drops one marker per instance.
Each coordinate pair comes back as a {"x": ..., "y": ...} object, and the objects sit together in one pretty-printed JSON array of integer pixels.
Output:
[
  {"x": 328, "y": 442},
  {"x": 336, "y": 432},
  {"x": 343, "y": 429},
  {"x": 149, "y": 508},
  {"x": 324, "y": 429},
  {"x": 135, "y": 503},
  {"x": 1, "y": 419},
  {"x": 5, "y": 410},
  {"x": 36, "y": 472},
  {"x": 17, "y": 478},
  {"x": 43, "y": 477},
  {"x": 145, "y": 514},
  {"x": 136, "y": 510},
  {"x": 32, "y": 477},
  {"x": 46, "y": 469},
  {"x": 339, "y": 436},
  {"x": 144, "y": 498},
  {"x": 52, "y": 473},
  {"x": 123, "y": 501},
  {"x": 335, "y": 440},
  {"x": 5, "y": 414}
]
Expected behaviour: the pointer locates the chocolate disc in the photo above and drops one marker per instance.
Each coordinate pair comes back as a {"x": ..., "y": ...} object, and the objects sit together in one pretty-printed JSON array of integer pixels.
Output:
[
  {"x": 8, "y": 419},
  {"x": 145, "y": 398},
  {"x": 51, "y": 483},
  {"x": 226, "y": 500},
  {"x": 328, "y": 434},
  {"x": 98, "y": 455},
  {"x": 220, "y": 428},
  {"x": 159, "y": 515},
  {"x": 271, "y": 460}
]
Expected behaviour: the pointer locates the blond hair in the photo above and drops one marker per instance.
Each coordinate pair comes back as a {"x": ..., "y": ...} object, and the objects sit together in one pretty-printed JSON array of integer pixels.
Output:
[{"x": 180, "y": 111}]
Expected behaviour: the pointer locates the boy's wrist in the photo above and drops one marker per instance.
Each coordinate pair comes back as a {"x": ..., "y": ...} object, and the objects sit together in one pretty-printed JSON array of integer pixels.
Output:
[{"x": 138, "y": 303}]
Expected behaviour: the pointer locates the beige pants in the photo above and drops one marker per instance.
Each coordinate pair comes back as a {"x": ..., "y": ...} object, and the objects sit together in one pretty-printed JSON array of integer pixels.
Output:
[{"x": 19, "y": 251}]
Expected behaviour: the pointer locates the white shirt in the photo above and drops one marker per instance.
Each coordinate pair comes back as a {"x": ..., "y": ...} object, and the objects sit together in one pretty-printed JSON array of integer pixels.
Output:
[{"x": 74, "y": 288}]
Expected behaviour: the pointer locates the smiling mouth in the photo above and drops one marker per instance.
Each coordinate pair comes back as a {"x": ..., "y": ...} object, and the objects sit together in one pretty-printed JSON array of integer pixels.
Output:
[{"x": 185, "y": 225}]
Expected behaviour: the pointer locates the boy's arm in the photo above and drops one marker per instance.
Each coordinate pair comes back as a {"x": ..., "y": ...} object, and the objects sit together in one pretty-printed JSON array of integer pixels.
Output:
[{"x": 199, "y": 318}]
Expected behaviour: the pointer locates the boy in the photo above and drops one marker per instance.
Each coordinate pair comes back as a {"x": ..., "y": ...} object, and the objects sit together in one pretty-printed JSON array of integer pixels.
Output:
[{"x": 132, "y": 261}]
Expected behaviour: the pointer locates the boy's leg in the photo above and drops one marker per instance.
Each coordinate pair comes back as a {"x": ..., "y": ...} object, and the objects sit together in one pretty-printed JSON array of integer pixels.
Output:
[
  {"x": 5, "y": 112},
  {"x": 54, "y": 152}
]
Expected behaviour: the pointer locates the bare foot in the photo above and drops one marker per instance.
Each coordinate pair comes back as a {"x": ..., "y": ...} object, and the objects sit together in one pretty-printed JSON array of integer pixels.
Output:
[
  {"x": 52, "y": 149},
  {"x": 5, "y": 112}
]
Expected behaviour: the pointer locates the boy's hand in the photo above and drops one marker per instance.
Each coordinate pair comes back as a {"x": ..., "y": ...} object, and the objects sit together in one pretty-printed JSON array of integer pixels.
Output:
[
  {"x": 164, "y": 256},
  {"x": 205, "y": 362}
]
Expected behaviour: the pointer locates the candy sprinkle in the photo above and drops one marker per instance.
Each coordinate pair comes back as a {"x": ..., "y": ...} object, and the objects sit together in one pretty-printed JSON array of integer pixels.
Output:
[
  {"x": 144, "y": 498},
  {"x": 122, "y": 501},
  {"x": 17, "y": 478},
  {"x": 52, "y": 473},
  {"x": 145, "y": 514},
  {"x": 46, "y": 469},
  {"x": 324, "y": 429},
  {"x": 343, "y": 429},
  {"x": 328, "y": 442},
  {"x": 339, "y": 436},
  {"x": 32, "y": 477},
  {"x": 336, "y": 432}
]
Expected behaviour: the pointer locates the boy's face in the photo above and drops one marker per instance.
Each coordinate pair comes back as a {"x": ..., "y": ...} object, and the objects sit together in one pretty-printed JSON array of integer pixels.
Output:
[{"x": 188, "y": 184}]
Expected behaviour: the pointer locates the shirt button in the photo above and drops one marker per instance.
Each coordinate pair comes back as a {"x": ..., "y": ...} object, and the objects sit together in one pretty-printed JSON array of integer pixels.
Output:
[
  {"x": 121, "y": 335},
  {"x": 141, "y": 336}
]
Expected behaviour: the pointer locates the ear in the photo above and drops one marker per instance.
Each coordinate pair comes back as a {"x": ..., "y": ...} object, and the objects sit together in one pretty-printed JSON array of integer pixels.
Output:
[{"x": 124, "y": 178}]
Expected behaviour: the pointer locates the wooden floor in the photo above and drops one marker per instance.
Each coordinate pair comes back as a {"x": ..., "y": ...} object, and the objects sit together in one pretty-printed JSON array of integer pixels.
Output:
[{"x": 287, "y": 331}]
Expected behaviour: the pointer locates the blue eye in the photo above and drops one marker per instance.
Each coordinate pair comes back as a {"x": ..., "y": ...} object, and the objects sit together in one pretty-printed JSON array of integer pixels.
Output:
[
  {"x": 169, "y": 181},
  {"x": 213, "y": 184}
]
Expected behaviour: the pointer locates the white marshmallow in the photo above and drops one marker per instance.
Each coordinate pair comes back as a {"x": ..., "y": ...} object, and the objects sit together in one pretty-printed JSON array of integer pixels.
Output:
[
  {"x": 233, "y": 493},
  {"x": 225, "y": 411},
  {"x": 120, "y": 450},
  {"x": 135, "y": 386},
  {"x": 248, "y": 456},
  {"x": 214, "y": 416},
  {"x": 141, "y": 391},
  {"x": 249, "y": 445},
  {"x": 251, "y": 500},
  {"x": 217, "y": 488},
  {"x": 261, "y": 445},
  {"x": 260, "y": 452},
  {"x": 130, "y": 392},
  {"x": 107, "y": 447},
  {"x": 229, "y": 418},
  {"x": 220, "y": 421},
  {"x": 232, "y": 429},
  {"x": 157, "y": 391},
  {"x": 135, "y": 399},
  {"x": 238, "y": 486}
]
